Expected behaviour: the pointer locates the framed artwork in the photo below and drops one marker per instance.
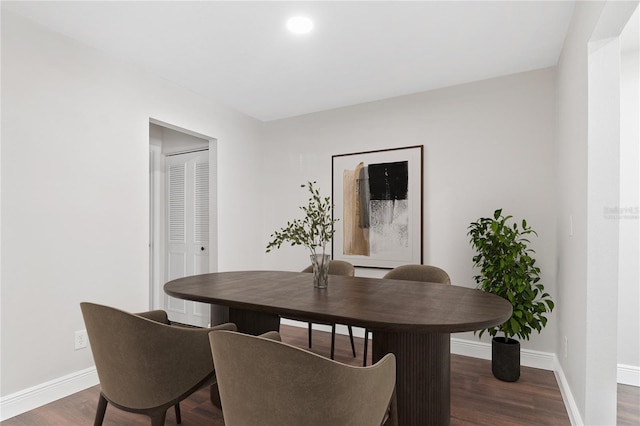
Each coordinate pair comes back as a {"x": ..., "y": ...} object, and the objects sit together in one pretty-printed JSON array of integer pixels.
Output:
[{"x": 377, "y": 197}]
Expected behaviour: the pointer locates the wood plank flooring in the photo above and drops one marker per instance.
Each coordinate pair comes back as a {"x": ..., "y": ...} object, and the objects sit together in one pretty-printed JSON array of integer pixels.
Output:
[{"x": 477, "y": 398}]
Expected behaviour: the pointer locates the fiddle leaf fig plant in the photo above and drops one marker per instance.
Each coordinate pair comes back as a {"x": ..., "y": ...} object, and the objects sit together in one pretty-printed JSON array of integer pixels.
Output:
[
  {"x": 313, "y": 231},
  {"x": 508, "y": 269}
]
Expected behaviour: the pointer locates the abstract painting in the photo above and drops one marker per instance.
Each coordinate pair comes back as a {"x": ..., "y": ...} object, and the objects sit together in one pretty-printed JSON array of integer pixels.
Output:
[{"x": 377, "y": 198}]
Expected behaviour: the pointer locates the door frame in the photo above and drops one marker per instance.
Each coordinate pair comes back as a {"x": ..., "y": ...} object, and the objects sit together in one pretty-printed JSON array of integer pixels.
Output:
[{"x": 157, "y": 215}]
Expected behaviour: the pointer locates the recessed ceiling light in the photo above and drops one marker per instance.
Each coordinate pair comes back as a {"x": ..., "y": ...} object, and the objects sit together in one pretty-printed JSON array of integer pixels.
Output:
[{"x": 299, "y": 25}]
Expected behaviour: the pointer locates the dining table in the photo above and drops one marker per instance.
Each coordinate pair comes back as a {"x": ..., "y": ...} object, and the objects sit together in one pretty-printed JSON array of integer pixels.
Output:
[{"x": 411, "y": 319}]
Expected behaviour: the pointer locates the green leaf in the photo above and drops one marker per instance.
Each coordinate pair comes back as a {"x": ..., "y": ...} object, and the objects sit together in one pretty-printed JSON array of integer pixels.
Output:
[
  {"x": 507, "y": 268},
  {"x": 316, "y": 229}
]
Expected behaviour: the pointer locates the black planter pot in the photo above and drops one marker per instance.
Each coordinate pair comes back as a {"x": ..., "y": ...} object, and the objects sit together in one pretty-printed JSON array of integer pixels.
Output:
[{"x": 505, "y": 359}]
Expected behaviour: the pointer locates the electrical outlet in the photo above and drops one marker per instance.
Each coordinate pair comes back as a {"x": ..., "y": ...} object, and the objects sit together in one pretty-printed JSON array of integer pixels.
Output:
[{"x": 81, "y": 339}]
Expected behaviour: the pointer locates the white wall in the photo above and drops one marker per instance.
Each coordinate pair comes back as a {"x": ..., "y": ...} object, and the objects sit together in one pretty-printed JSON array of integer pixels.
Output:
[
  {"x": 487, "y": 145},
  {"x": 75, "y": 176}
]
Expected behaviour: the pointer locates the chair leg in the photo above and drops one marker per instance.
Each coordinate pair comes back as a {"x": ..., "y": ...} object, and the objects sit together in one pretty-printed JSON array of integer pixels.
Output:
[
  {"x": 178, "y": 415},
  {"x": 392, "y": 411},
  {"x": 310, "y": 328},
  {"x": 214, "y": 395},
  {"x": 333, "y": 339},
  {"x": 102, "y": 408},
  {"x": 366, "y": 344},
  {"x": 353, "y": 346}
]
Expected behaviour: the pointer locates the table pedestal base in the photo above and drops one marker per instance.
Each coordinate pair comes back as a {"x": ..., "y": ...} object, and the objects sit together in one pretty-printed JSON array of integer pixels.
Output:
[
  {"x": 422, "y": 375},
  {"x": 255, "y": 323}
]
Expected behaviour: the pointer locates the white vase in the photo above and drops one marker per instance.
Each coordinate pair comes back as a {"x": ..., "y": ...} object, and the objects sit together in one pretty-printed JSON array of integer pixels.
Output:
[{"x": 320, "y": 264}]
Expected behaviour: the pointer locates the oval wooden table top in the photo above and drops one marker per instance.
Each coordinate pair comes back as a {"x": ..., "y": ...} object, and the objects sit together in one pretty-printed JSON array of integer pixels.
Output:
[{"x": 374, "y": 303}]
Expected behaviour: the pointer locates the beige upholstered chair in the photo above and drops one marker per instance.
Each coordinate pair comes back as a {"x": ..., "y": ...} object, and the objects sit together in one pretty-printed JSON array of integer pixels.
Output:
[
  {"x": 336, "y": 267},
  {"x": 268, "y": 383},
  {"x": 145, "y": 365},
  {"x": 426, "y": 273}
]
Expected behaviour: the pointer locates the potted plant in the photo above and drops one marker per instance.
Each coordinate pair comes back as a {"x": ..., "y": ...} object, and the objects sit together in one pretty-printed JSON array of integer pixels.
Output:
[
  {"x": 507, "y": 269},
  {"x": 313, "y": 231}
]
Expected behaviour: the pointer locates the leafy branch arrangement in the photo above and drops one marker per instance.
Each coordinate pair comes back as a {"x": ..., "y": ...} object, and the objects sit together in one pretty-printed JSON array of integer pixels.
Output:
[
  {"x": 314, "y": 231},
  {"x": 508, "y": 270}
]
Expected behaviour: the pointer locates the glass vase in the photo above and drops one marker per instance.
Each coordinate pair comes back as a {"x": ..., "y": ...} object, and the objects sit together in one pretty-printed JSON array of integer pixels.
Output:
[{"x": 320, "y": 264}]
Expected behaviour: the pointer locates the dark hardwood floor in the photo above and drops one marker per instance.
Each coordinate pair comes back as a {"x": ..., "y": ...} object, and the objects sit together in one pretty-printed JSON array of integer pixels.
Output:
[{"x": 477, "y": 398}]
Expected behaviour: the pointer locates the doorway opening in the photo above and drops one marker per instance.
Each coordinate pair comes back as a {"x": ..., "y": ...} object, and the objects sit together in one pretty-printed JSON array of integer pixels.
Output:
[
  {"x": 627, "y": 211},
  {"x": 182, "y": 216}
]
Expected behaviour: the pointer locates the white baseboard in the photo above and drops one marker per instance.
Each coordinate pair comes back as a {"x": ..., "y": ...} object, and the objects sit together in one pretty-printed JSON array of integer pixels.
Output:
[
  {"x": 37, "y": 396},
  {"x": 629, "y": 375},
  {"x": 482, "y": 350},
  {"x": 529, "y": 358},
  {"x": 567, "y": 395}
]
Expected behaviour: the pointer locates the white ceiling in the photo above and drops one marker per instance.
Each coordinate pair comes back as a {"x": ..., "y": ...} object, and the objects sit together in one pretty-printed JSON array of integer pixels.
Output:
[{"x": 241, "y": 55}]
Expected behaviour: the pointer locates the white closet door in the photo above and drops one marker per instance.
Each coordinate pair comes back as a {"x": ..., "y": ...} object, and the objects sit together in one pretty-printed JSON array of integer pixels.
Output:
[{"x": 188, "y": 230}]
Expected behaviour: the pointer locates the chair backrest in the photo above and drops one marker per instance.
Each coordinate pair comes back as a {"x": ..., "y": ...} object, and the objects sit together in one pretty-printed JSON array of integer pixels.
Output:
[
  {"x": 426, "y": 273},
  {"x": 265, "y": 382},
  {"x": 143, "y": 363},
  {"x": 337, "y": 267}
]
